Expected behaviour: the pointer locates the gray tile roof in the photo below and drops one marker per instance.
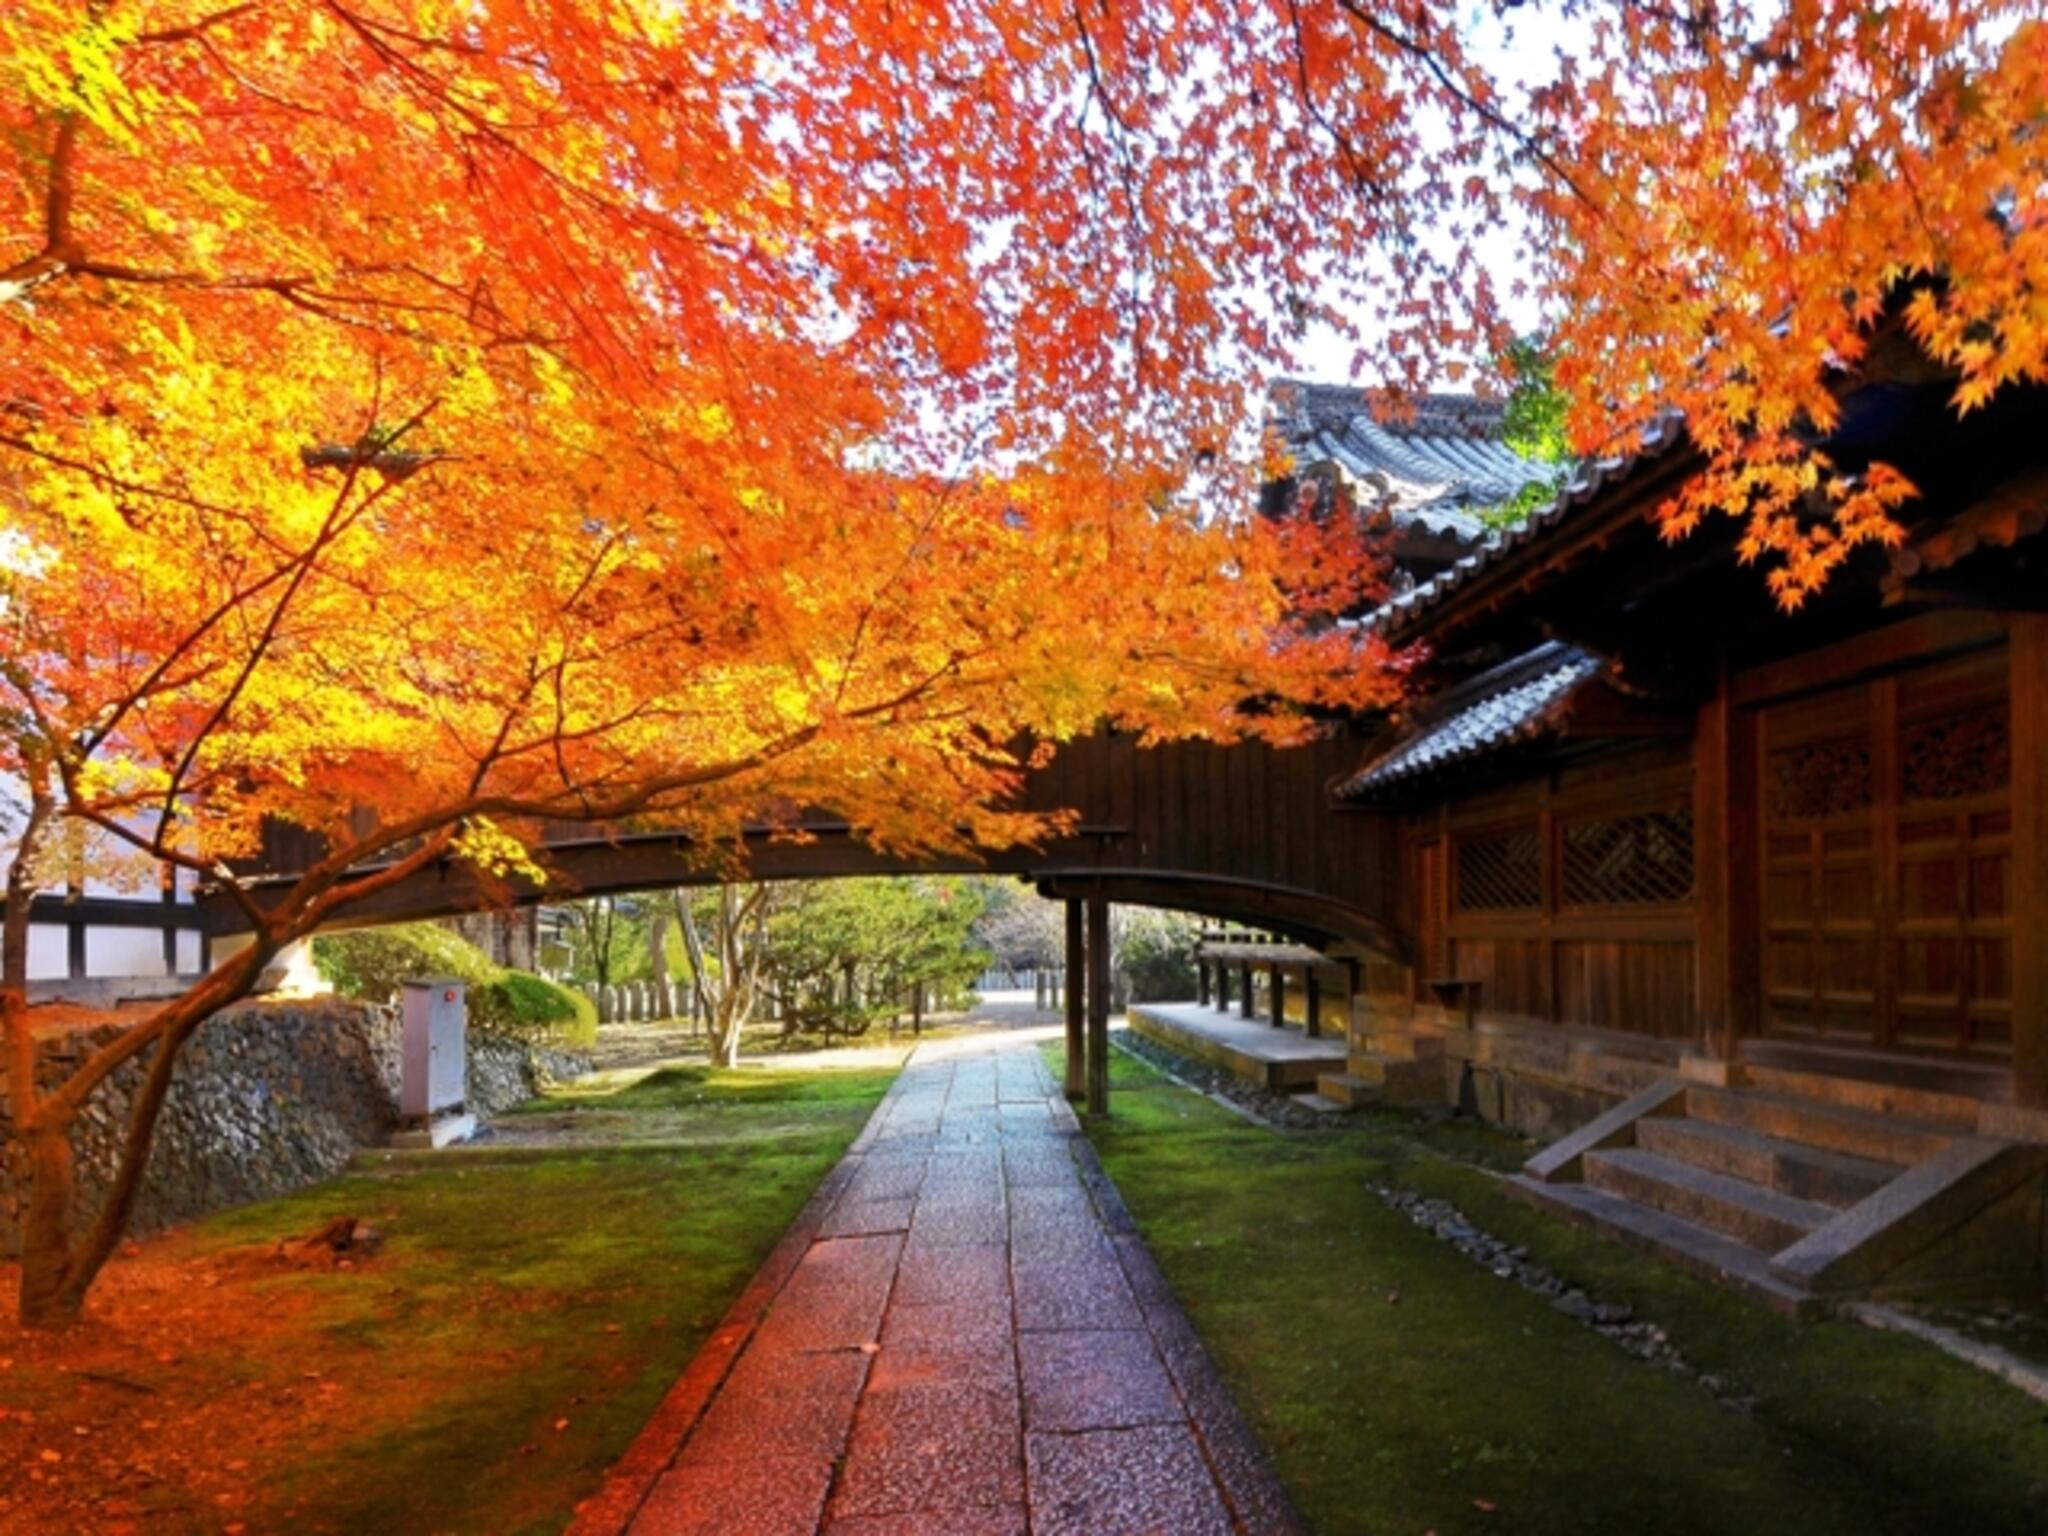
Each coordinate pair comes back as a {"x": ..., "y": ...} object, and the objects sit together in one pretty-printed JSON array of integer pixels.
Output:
[
  {"x": 1438, "y": 469},
  {"x": 1407, "y": 610},
  {"x": 1516, "y": 701}
]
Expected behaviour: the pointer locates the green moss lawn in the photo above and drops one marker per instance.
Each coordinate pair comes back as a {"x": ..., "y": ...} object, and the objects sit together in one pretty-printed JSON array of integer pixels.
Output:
[
  {"x": 528, "y": 1310},
  {"x": 1401, "y": 1388}
]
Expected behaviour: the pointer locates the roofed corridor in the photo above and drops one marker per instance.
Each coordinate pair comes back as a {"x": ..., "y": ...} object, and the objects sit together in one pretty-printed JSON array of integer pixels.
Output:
[{"x": 962, "y": 1333}]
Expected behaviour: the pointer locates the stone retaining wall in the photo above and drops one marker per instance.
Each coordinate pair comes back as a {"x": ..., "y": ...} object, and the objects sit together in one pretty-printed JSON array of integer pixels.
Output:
[{"x": 269, "y": 1096}]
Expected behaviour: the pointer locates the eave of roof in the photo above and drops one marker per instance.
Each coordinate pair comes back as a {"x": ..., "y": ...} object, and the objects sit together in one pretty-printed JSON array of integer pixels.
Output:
[{"x": 1515, "y": 702}]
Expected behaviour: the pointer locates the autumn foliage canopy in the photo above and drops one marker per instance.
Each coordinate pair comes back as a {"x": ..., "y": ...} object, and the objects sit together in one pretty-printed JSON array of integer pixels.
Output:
[
  {"x": 520, "y": 399},
  {"x": 487, "y": 409}
]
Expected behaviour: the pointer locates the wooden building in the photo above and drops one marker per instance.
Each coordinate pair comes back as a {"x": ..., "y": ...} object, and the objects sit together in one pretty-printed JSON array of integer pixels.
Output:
[{"x": 1745, "y": 911}]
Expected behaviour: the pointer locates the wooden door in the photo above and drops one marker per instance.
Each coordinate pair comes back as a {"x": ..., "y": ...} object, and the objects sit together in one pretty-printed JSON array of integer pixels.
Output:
[
  {"x": 1886, "y": 854},
  {"x": 1819, "y": 867},
  {"x": 1953, "y": 847}
]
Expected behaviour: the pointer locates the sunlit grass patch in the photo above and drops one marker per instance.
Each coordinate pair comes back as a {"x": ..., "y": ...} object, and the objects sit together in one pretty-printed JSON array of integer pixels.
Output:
[{"x": 477, "y": 1373}]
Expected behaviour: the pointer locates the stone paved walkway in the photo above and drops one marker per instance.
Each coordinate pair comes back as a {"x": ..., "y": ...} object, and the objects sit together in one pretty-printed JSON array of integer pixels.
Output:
[{"x": 962, "y": 1334}]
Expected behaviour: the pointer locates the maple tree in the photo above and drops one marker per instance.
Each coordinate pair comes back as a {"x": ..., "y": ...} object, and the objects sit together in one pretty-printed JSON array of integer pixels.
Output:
[
  {"x": 419, "y": 423},
  {"x": 488, "y": 410}
]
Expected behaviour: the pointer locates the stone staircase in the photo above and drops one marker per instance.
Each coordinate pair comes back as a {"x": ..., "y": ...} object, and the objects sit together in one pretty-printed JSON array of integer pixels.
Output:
[
  {"x": 1801, "y": 1189},
  {"x": 1401, "y": 1068}
]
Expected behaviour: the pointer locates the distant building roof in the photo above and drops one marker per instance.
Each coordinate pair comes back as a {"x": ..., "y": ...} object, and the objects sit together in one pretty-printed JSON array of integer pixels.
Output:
[
  {"x": 1522, "y": 698},
  {"x": 1405, "y": 610},
  {"x": 1439, "y": 467}
]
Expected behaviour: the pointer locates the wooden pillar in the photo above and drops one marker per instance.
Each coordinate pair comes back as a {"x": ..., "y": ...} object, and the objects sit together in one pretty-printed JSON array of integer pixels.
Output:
[
  {"x": 76, "y": 966},
  {"x": 1276, "y": 994},
  {"x": 1244, "y": 976},
  {"x": 170, "y": 933},
  {"x": 1312, "y": 1001},
  {"x": 1222, "y": 986},
  {"x": 2028, "y": 687},
  {"x": 1202, "y": 982},
  {"x": 1077, "y": 989},
  {"x": 1098, "y": 1005},
  {"x": 1727, "y": 889}
]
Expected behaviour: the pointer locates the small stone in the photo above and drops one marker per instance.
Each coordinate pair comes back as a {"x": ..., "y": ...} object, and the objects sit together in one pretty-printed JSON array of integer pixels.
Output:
[{"x": 1576, "y": 1304}]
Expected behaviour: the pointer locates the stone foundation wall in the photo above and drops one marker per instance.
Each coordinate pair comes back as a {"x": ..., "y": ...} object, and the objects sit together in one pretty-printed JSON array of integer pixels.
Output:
[
  {"x": 1542, "y": 1081},
  {"x": 269, "y": 1096}
]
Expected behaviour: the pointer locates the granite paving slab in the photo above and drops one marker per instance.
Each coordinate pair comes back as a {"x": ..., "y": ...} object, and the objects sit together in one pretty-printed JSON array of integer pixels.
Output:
[
  {"x": 961, "y": 1336},
  {"x": 1151, "y": 1481}
]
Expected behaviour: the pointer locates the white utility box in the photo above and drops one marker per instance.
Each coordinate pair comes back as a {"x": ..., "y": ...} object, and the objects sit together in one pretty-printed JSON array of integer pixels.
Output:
[{"x": 433, "y": 1062}]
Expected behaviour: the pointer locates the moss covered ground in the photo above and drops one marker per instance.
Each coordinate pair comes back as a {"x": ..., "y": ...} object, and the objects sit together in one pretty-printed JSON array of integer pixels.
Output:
[
  {"x": 527, "y": 1310},
  {"x": 1402, "y": 1388}
]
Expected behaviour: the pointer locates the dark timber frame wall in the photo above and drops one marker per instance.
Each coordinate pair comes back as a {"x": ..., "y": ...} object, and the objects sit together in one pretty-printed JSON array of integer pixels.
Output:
[
  {"x": 1502, "y": 897},
  {"x": 1869, "y": 870}
]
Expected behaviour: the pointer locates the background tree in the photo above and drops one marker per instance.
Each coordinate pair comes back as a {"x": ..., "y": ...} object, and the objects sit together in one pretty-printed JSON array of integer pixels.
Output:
[
  {"x": 1155, "y": 959},
  {"x": 725, "y": 932},
  {"x": 1021, "y": 930},
  {"x": 606, "y": 937},
  {"x": 657, "y": 960},
  {"x": 848, "y": 953}
]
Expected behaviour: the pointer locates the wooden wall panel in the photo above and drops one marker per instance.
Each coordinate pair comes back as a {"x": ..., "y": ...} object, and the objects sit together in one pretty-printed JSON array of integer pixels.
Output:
[
  {"x": 1629, "y": 965},
  {"x": 1645, "y": 988}
]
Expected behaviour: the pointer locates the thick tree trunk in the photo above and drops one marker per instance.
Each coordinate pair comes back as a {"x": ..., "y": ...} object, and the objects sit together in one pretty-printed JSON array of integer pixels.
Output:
[
  {"x": 49, "y": 1298},
  {"x": 58, "y": 1270}
]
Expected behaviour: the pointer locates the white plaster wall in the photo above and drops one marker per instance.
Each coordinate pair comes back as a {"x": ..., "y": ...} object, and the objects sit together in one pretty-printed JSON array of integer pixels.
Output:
[
  {"x": 301, "y": 977},
  {"x": 48, "y": 952},
  {"x": 124, "y": 952},
  {"x": 191, "y": 952}
]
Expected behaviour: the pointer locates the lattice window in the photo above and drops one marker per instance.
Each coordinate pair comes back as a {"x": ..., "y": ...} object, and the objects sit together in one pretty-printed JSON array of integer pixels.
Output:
[
  {"x": 1823, "y": 779},
  {"x": 1500, "y": 871},
  {"x": 1628, "y": 861},
  {"x": 1956, "y": 755}
]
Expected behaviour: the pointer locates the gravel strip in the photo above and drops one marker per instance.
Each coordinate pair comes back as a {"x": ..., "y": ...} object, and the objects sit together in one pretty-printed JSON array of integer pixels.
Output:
[{"x": 1618, "y": 1324}]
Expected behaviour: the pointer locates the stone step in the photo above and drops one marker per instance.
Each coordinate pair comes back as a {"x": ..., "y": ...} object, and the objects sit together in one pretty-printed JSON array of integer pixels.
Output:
[
  {"x": 1374, "y": 1065},
  {"x": 1396, "y": 1079},
  {"x": 1343, "y": 1088},
  {"x": 1761, "y": 1218},
  {"x": 1401, "y": 1045},
  {"x": 1683, "y": 1244},
  {"x": 1319, "y": 1103},
  {"x": 1789, "y": 1167},
  {"x": 1812, "y": 1123},
  {"x": 1955, "y": 1112}
]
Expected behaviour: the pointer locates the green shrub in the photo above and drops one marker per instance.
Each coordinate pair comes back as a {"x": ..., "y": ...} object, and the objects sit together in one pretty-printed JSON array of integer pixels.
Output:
[
  {"x": 530, "y": 1007},
  {"x": 374, "y": 963},
  {"x": 1159, "y": 957}
]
